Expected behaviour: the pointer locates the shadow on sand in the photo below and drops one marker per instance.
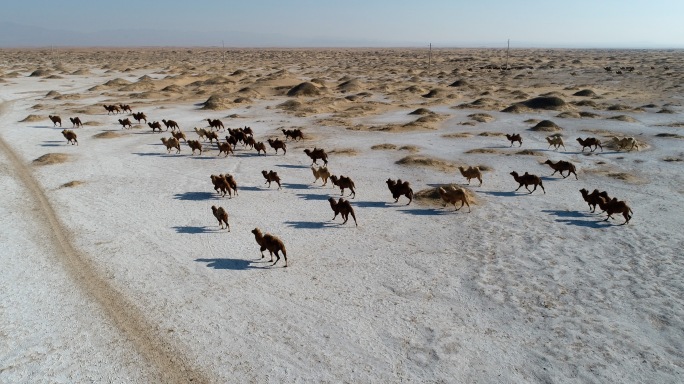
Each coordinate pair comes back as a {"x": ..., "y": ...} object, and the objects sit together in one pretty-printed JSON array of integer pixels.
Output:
[
  {"x": 193, "y": 230},
  {"x": 232, "y": 264},
  {"x": 195, "y": 196},
  {"x": 575, "y": 218}
]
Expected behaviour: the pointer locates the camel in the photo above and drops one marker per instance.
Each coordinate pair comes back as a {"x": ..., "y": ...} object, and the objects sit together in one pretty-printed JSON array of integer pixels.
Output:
[
  {"x": 277, "y": 144},
  {"x": 194, "y": 144},
  {"x": 399, "y": 188},
  {"x": 221, "y": 215},
  {"x": 528, "y": 179},
  {"x": 112, "y": 108},
  {"x": 216, "y": 123},
  {"x": 589, "y": 142},
  {"x": 55, "y": 120},
  {"x": 125, "y": 122},
  {"x": 344, "y": 208},
  {"x": 139, "y": 116},
  {"x": 271, "y": 177},
  {"x": 513, "y": 138},
  {"x": 170, "y": 124},
  {"x": 471, "y": 173},
  {"x": 317, "y": 153},
  {"x": 170, "y": 143},
  {"x": 76, "y": 122},
  {"x": 270, "y": 243},
  {"x": 561, "y": 166},
  {"x": 344, "y": 182},
  {"x": 454, "y": 195},
  {"x": 155, "y": 125},
  {"x": 70, "y": 136}
]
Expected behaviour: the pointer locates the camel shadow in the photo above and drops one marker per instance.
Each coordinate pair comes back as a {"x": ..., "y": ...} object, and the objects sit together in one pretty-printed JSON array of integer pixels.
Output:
[
  {"x": 156, "y": 154},
  {"x": 425, "y": 211},
  {"x": 296, "y": 186},
  {"x": 195, "y": 196},
  {"x": 291, "y": 166},
  {"x": 574, "y": 218},
  {"x": 193, "y": 230},
  {"x": 371, "y": 204},
  {"x": 310, "y": 224},
  {"x": 502, "y": 193},
  {"x": 313, "y": 196},
  {"x": 232, "y": 264}
]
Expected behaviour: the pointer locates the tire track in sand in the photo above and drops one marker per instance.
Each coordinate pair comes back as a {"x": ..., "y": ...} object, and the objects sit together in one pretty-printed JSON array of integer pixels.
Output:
[{"x": 167, "y": 364}]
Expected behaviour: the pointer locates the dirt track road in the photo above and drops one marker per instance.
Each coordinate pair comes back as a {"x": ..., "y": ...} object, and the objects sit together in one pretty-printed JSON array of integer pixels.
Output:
[{"x": 163, "y": 360}]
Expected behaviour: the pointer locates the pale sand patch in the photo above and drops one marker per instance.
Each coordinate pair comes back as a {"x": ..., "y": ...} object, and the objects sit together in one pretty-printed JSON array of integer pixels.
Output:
[
  {"x": 428, "y": 162},
  {"x": 51, "y": 158}
]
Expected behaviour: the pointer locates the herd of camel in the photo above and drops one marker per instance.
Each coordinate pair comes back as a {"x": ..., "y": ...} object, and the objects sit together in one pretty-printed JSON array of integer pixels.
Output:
[{"x": 226, "y": 184}]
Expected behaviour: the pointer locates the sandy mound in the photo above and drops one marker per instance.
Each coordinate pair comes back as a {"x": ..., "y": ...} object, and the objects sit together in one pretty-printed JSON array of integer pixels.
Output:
[
  {"x": 625, "y": 118},
  {"x": 384, "y": 147},
  {"x": 590, "y": 115},
  {"x": 435, "y": 93},
  {"x": 546, "y": 126},
  {"x": 410, "y": 148},
  {"x": 290, "y": 105},
  {"x": 344, "y": 152},
  {"x": 481, "y": 117},
  {"x": 424, "y": 161},
  {"x": 40, "y": 73},
  {"x": 422, "y": 111},
  {"x": 528, "y": 152},
  {"x": 53, "y": 94},
  {"x": 457, "y": 135},
  {"x": 494, "y": 134},
  {"x": 585, "y": 93},
  {"x": 430, "y": 196},
  {"x": 353, "y": 85},
  {"x": 107, "y": 135},
  {"x": 51, "y": 158},
  {"x": 216, "y": 102},
  {"x": 92, "y": 123},
  {"x": 81, "y": 72},
  {"x": 32, "y": 119},
  {"x": 304, "y": 89},
  {"x": 71, "y": 184},
  {"x": 569, "y": 115},
  {"x": 545, "y": 102},
  {"x": 665, "y": 110},
  {"x": 117, "y": 83},
  {"x": 516, "y": 108},
  {"x": 460, "y": 83},
  {"x": 619, "y": 107}
]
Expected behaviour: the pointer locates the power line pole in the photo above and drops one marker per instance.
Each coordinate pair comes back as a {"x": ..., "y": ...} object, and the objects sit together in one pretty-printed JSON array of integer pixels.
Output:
[
  {"x": 507, "y": 51},
  {"x": 430, "y": 58}
]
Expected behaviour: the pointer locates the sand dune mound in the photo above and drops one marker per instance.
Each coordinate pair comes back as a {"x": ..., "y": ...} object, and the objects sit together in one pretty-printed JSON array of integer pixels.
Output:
[
  {"x": 173, "y": 88},
  {"x": 118, "y": 82},
  {"x": 516, "y": 108},
  {"x": 107, "y": 135},
  {"x": 53, "y": 94},
  {"x": 585, "y": 93},
  {"x": 353, "y": 85},
  {"x": 529, "y": 152},
  {"x": 428, "y": 162},
  {"x": 458, "y": 135},
  {"x": 435, "y": 93},
  {"x": 460, "y": 83},
  {"x": 51, "y": 158},
  {"x": 545, "y": 102},
  {"x": 40, "y": 73},
  {"x": 32, "y": 119},
  {"x": 619, "y": 107},
  {"x": 569, "y": 115},
  {"x": 481, "y": 117},
  {"x": 239, "y": 72},
  {"x": 216, "y": 102},
  {"x": 304, "y": 89},
  {"x": 546, "y": 126},
  {"x": 414, "y": 89},
  {"x": 384, "y": 147},
  {"x": 422, "y": 111},
  {"x": 430, "y": 196},
  {"x": 344, "y": 152},
  {"x": 482, "y": 151},
  {"x": 81, "y": 72},
  {"x": 590, "y": 115},
  {"x": 625, "y": 118}
]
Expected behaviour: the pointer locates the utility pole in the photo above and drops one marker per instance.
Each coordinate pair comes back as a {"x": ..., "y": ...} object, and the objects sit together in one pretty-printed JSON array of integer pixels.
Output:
[
  {"x": 430, "y": 58},
  {"x": 223, "y": 53},
  {"x": 507, "y": 51}
]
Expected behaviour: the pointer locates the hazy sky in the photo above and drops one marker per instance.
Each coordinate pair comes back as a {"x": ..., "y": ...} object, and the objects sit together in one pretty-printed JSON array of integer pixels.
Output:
[{"x": 573, "y": 23}]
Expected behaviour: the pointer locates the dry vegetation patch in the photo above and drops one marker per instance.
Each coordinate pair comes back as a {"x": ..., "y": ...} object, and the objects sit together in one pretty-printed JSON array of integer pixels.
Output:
[
  {"x": 430, "y": 196},
  {"x": 344, "y": 152},
  {"x": 428, "y": 162},
  {"x": 457, "y": 135},
  {"x": 483, "y": 151},
  {"x": 51, "y": 158},
  {"x": 529, "y": 152},
  {"x": 481, "y": 117},
  {"x": 107, "y": 135},
  {"x": 71, "y": 184},
  {"x": 670, "y": 135},
  {"x": 385, "y": 146},
  {"x": 546, "y": 126},
  {"x": 625, "y": 118}
]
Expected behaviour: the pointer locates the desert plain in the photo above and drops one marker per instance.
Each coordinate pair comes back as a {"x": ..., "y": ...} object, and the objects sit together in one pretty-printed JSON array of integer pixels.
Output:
[{"x": 115, "y": 270}]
